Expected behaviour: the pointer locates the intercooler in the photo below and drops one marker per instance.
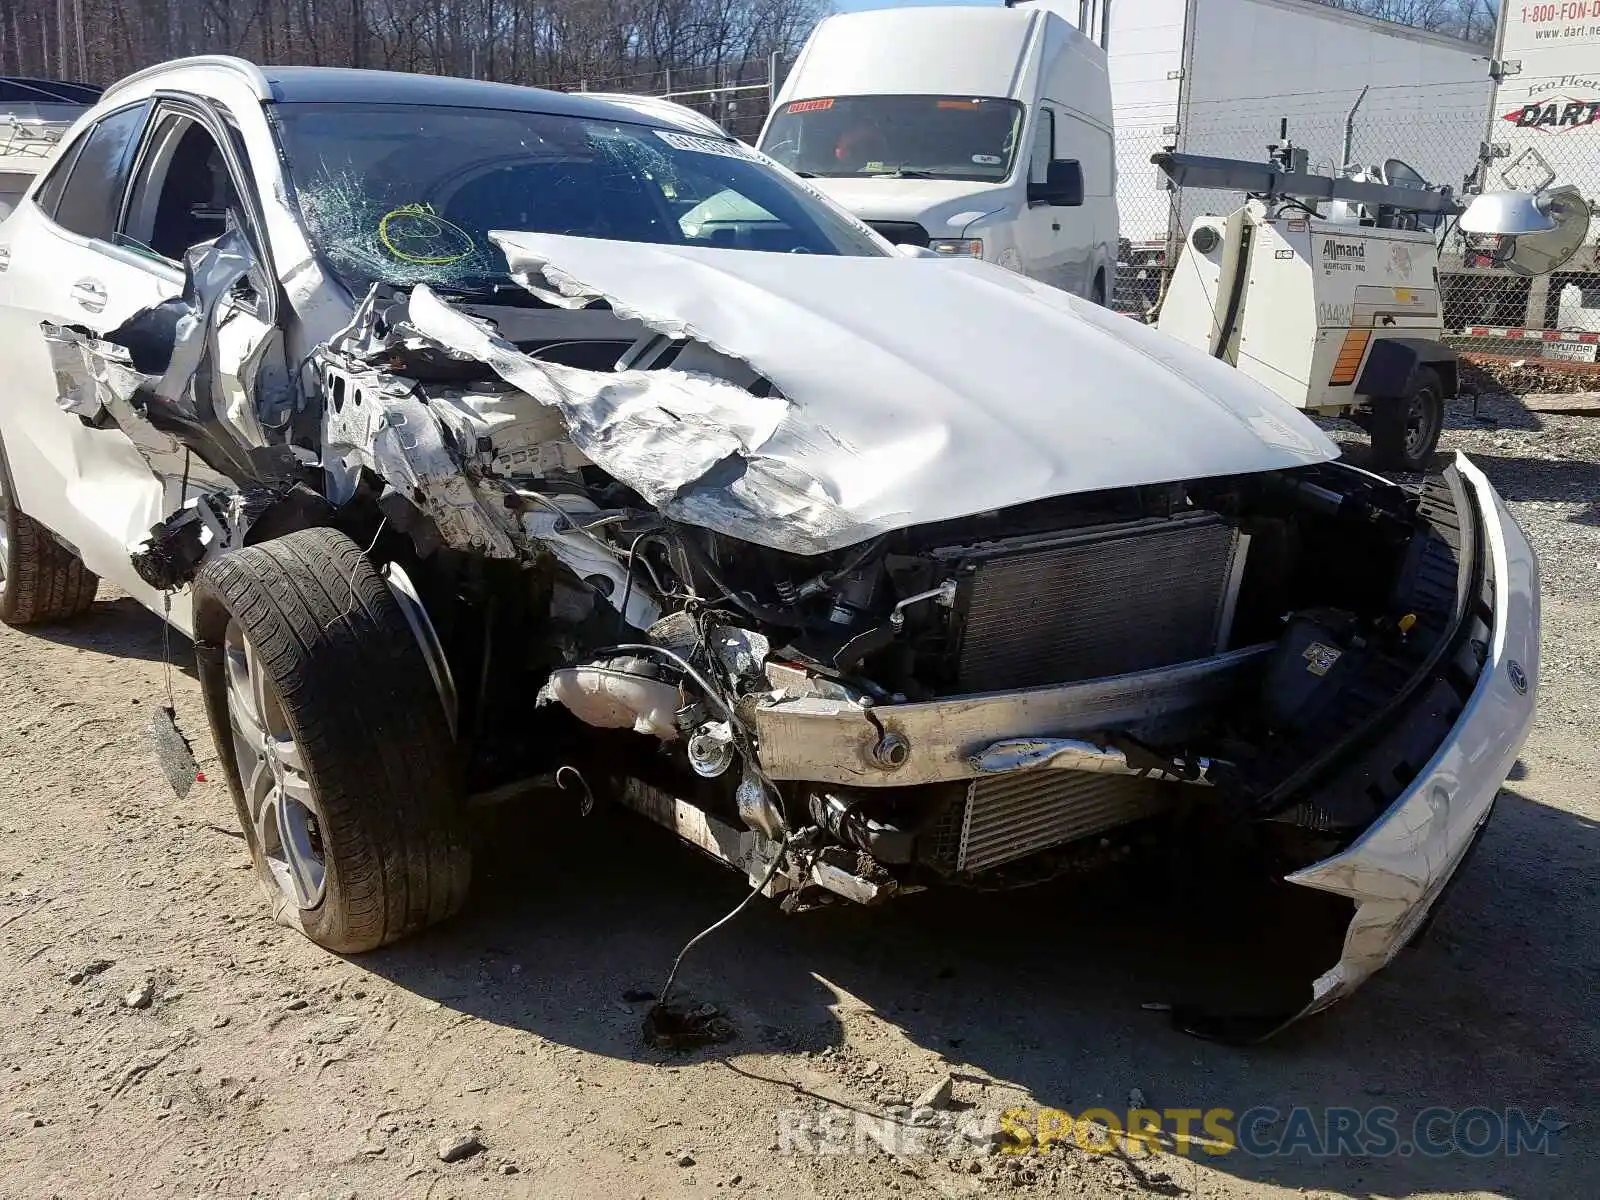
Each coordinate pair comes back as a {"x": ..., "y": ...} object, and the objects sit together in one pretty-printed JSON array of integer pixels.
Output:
[{"x": 1106, "y": 601}]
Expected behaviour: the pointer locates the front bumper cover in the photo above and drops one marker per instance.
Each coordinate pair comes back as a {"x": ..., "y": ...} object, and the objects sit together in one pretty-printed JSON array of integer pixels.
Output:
[{"x": 1397, "y": 869}]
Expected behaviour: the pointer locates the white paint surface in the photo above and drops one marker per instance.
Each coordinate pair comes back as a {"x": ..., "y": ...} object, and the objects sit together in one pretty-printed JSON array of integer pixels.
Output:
[{"x": 922, "y": 390}]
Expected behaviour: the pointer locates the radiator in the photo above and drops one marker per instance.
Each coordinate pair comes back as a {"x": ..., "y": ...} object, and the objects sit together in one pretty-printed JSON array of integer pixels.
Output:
[{"x": 1103, "y": 602}]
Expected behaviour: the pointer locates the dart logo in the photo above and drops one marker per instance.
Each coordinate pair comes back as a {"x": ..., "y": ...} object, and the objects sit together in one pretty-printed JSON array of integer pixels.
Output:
[{"x": 1555, "y": 114}]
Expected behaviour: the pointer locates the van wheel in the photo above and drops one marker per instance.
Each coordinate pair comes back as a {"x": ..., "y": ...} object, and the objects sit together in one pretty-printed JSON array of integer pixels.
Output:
[
  {"x": 1405, "y": 431},
  {"x": 333, "y": 740},
  {"x": 40, "y": 579},
  {"x": 1097, "y": 293}
]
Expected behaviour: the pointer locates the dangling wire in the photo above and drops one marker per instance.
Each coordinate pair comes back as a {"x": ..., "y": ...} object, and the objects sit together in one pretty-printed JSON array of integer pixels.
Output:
[{"x": 772, "y": 871}]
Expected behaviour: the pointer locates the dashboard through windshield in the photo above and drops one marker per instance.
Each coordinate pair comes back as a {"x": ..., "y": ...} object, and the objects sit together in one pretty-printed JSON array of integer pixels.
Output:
[{"x": 407, "y": 194}]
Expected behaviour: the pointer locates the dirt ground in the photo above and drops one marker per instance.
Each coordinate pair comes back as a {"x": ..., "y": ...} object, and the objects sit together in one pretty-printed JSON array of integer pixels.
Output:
[{"x": 160, "y": 1036}]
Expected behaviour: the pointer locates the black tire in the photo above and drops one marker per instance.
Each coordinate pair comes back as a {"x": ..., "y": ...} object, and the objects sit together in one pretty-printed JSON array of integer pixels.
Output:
[
  {"x": 378, "y": 802},
  {"x": 40, "y": 579},
  {"x": 1097, "y": 293},
  {"x": 1405, "y": 430}
]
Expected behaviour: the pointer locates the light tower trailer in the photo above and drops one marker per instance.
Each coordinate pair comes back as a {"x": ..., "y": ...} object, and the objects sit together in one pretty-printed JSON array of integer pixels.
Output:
[{"x": 1338, "y": 313}]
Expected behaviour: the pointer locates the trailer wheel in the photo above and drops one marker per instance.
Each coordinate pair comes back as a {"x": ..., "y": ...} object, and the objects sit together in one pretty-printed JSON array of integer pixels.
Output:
[
  {"x": 40, "y": 579},
  {"x": 333, "y": 739},
  {"x": 1405, "y": 430}
]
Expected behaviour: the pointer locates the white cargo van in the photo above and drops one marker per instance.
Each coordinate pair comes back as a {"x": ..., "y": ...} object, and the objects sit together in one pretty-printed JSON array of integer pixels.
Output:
[{"x": 974, "y": 131}]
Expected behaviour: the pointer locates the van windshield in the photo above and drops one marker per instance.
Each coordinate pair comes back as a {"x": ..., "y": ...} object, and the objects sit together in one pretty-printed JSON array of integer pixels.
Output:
[{"x": 938, "y": 137}]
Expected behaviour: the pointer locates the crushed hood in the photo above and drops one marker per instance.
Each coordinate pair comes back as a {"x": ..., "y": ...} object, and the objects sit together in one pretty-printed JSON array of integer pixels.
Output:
[{"x": 913, "y": 390}]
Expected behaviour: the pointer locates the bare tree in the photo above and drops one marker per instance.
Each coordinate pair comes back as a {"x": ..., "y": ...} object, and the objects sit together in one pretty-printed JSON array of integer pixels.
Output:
[
  {"x": 625, "y": 44},
  {"x": 1472, "y": 20}
]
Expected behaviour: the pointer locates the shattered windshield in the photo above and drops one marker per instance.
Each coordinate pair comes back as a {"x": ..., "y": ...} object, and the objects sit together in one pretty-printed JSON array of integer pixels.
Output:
[
  {"x": 939, "y": 137},
  {"x": 407, "y": 194}
]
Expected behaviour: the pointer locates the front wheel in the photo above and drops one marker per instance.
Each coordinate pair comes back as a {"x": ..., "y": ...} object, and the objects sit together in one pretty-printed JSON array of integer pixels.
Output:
[
  {"x": 333, "y": 739},
  {"x": 1405, "y": 431}
]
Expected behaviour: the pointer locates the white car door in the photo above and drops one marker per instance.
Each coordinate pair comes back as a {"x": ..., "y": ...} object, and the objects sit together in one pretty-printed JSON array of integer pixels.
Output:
[
  {"x": 87, "y": 485},
  {"x": 101, "y": 489}
]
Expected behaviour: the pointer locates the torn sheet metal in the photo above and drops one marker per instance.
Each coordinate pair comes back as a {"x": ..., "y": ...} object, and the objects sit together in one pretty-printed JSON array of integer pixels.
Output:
[
  {"x": 382, "y": 423},
  {"x": 917, "y": 391},
  {"x": 180, "y": 388},
  {"x": 659, "y": 432},
  {"x": 1073, "y": 754},
  {"x": 97, "y": 383}
]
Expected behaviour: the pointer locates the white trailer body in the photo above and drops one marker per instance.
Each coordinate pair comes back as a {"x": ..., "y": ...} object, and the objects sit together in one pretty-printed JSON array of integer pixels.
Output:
[
  {"x": 1544, "y": 124},
  {"x": 1217, "y": 77}
]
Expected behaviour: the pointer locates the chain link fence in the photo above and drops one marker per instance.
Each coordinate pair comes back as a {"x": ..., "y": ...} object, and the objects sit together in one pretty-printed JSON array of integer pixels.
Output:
[
  {"x": 1489, "y": 308},
  {"x": 736, "y": 95}
]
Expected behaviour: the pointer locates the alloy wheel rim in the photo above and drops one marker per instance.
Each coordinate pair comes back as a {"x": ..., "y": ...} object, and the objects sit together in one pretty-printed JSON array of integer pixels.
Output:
[{"x": 277, "y": 791}]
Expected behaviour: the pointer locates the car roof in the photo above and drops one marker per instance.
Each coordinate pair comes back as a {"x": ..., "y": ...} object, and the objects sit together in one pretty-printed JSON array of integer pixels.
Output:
[
  {"x": 342, "y": 85},
  {"x": 661, "y": 106},
  {"x": 206, "y": 73}
]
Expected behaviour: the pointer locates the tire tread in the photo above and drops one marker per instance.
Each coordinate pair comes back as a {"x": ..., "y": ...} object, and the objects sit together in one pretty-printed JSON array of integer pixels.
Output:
[
  {"x": 44, "y": 581},
  {"x": 362, "y": 706}
]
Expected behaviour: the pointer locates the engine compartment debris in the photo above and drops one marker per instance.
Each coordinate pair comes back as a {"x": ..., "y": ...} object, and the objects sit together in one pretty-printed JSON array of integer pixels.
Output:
[{"x": 672, "y": 518}]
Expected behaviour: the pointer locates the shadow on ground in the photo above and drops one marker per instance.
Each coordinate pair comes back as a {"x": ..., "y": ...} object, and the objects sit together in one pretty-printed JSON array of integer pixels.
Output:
[
  {"x": 1046, "y": 987},
  {"x": 1570, "y": 481},
  {"x": 122, "y": 628}
]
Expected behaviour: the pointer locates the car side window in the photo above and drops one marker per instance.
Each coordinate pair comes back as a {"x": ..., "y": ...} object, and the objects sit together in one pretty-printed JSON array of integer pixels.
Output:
[
  {"x": 182, "y": 192},
  {"x": 49, "y": 193},
  {"x": 93, "y": 190}
]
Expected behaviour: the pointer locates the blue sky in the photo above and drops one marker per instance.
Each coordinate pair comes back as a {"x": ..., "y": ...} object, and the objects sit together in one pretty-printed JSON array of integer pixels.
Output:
[{"x": 857, "y": 5}]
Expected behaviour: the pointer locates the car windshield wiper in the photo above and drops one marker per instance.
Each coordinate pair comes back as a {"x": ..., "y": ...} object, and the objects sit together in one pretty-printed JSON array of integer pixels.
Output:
[{"x": 907, "y": 173}]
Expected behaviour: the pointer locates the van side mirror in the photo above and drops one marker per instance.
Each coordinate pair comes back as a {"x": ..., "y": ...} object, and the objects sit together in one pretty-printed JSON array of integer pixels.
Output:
[{"x": 1062, "y": 186}]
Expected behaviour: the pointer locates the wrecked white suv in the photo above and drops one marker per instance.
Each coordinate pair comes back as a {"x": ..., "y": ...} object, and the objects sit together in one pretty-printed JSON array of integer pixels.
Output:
[{"x": 481, "y": 435}]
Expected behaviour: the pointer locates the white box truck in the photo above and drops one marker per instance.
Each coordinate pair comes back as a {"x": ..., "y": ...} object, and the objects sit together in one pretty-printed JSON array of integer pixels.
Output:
[
  {"x": 974, "y": 131},
  {"x": 1543, "y": 127},
  {"x": 1219, "y": 76}
]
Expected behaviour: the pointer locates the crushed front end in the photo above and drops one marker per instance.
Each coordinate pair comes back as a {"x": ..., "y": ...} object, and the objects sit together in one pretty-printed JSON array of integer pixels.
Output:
[{"x": 675, "y": 529}]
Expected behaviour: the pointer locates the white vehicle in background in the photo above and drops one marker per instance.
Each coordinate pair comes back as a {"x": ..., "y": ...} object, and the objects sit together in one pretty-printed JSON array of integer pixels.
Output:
[
  {"x": 34, "y": 113},
  {"x": 980, "y": 132}
]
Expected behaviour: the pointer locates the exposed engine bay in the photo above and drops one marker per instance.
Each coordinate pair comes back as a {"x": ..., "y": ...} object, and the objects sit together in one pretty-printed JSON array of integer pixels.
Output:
[
  {"x": 632, "y": 553},
  {"x": 978, "y": 700},
  {"x": 981, "y": 702}
]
